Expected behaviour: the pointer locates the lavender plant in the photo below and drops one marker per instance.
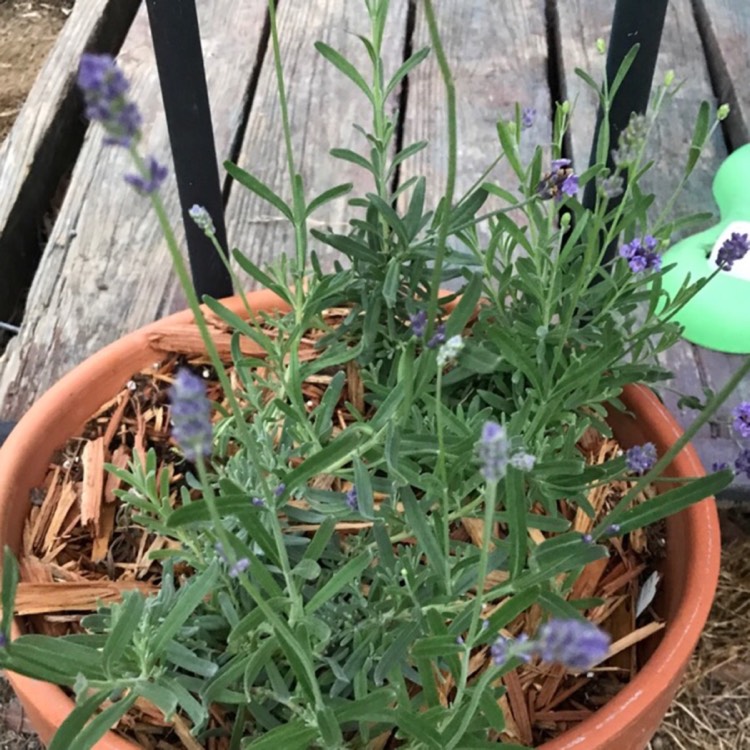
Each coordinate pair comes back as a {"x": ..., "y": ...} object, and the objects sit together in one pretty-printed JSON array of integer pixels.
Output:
[{"x": 476, "y": 402}]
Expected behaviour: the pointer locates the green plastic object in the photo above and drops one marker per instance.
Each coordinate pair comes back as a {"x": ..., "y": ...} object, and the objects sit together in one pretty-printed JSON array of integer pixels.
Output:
[{"x": 718, "y": 316}]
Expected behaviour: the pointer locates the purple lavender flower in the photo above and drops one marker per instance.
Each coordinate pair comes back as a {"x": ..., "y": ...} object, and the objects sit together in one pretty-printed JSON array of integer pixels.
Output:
[
  {"x": 280, "y": 489},
  {"x": 418, "y": 323},
  {"x": 742, "y": 462},
  {"x": 459, "y": 640},
  {"x": 587, "y": 538},
  {"x": 741, "y": 421},
  {"x": 719, "y": 466},
  {"x": 493, "y": 451},
  {"x": 528, "y": 115},
  {"x": 499, "y": 651},
  {"x": 613, "y": 529},
  {"x": 561, "y": 181},
  {"x": 202, "y": 219},
  {"x": 641, "y": 254},
  {"x": 733, "y": 249},
  {"x": 351, "y": 499},
  {"x": 640, "y": 458},
  {"x": 523, "y": 461},
  {"x": 151, "y": 181},
  {"x": 3, "y": 640},
  {"x": 575, "y": 643},
  {"x": 259, "y": 502},
  {"x": 239, "y": 567},
  {"x": 557, "y": 164},
  {"x": 191, "y": 415},
  {"x": 104, "y": 89},
  {"x": 438, "y": 337}
]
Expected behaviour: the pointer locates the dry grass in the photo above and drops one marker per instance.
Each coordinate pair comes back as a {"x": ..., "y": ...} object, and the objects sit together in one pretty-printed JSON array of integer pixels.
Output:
[{"x": 712, "y": 710}]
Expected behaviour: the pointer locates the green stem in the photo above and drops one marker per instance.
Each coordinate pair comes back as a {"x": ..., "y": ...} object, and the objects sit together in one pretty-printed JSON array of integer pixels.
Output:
[
  {"x": 490, "y": 502},
  {"x": 443, "y": 476},
  {"x": 450, "y": 186},
  {"x": 298, "y": 201}
]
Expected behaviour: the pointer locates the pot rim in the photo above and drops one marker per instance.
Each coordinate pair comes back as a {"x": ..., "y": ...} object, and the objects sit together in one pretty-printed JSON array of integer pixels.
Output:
[{"x": 660, "y": 671}]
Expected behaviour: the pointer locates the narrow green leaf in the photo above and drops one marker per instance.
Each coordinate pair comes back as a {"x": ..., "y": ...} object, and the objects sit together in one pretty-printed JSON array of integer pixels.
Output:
[
  {"x": 515, "y": 502},
  {"x": 416, "y": 519},
  {"x": 408, "y": 65},
  {"x": 259, "y": 188},
  {"x": 339, "y": 61},
  {"x": 699, "y": 136},
  {"x": 351, "y": 156},
  {"x": 365, "y": 499},
  {"x": 338, "y": 452},
  {"x": 320, "y": 540},
  {"x": 465, "y": 307},
  {"x": 419, "y": 727},
  {"x": 330, "y": 731},
  {"x": 436, "y": 646},
  {"x": 294, "y": 735},
  {"x": 340, "y": 579},
  {"x": 623, "y": 70},
  {"x": 191, "y": 595},
  {"x": 10, "y": 584},
  {"x": 129, "y": 615},
  {"x": 327, "y": 196},
  {"x": 669, "y": 503},
  {"x": 74, "y": 732},
  {"x": 508, "y": 611}
]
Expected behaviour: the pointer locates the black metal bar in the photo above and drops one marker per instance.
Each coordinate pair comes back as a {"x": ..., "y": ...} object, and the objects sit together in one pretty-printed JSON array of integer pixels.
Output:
[
  {"x": 5, "y": 429},
  {"x": 179, "y": 60},
  {"x": 635, "y": 22}
]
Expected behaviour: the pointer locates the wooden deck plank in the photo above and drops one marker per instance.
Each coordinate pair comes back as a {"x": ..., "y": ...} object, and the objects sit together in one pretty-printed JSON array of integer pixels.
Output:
[
  {"x": 498, "y": 56},
  {"x": 105, "y": 270},
  {"x": 581, "y": 22},
  {"x": 44, "y": 141},
  {"x": 324, "y": 105},
  {"x": 725, "y": 27}
]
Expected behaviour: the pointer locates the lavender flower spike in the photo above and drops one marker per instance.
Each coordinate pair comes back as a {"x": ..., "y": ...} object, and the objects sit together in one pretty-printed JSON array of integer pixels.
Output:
[
  {"x": 202, "y": 219},
  {"x": 561, "y": 181},
  {"x": 575, "y": 643},
  {"x": 418, "y": 322},
  {"x": 191, "y": 415},
  {"x": 239, "y": 567},
  {"x": 733, "y": 249},
  {"x": 104, "y": 89},
  {"x": 500, "y": 651},
  {"x": 641, "y": 254},
  {"x": 742, "y": 463},
  {"x": 640, "y": 458},
  {"x": 528, "y": 115},
  {"x": 148, "y": 183},
  {"x": 351, "y": 499},
  {"x": 493, "y": 451},
  {"x": 741, "y": 421}
]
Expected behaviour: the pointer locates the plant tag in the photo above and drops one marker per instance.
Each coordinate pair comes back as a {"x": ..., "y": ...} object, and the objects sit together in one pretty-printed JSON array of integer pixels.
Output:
[{"x": 647, "y": 594}]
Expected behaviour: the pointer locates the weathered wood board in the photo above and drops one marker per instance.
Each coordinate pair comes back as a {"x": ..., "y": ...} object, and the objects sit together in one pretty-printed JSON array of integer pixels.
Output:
[
  {"x": 725, "y": 27},
  {"x": 324, "y": 106},
  {"x": 105, "y": 270},
  {"x": 45, "y": 138},
  {"x": 498, "y": 56}
]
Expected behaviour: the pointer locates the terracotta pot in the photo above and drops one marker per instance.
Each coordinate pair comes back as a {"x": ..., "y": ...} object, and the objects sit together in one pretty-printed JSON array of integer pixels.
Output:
[{"x": 626, "y": 723}]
